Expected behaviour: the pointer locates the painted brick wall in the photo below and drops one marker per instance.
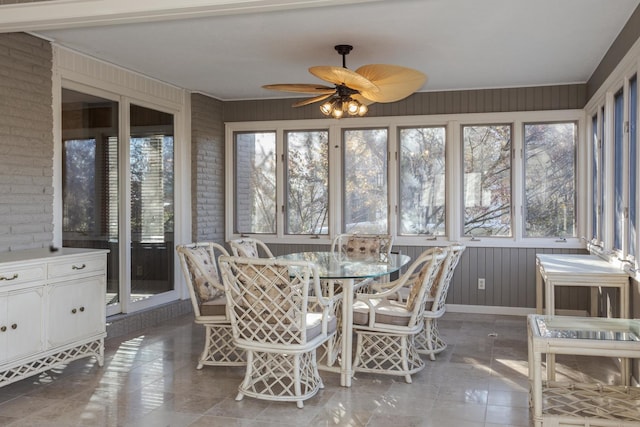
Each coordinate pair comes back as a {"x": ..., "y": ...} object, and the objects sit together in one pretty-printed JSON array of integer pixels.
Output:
[
  {"x": 207, "y": 169},
  {"x": 26, "y": 143}
]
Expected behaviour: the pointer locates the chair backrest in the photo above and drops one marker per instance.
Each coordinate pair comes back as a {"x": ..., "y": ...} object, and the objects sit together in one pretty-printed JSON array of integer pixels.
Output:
[
  {"x": 200, "y": 270},
  {"x": 441, "y": 288},
  {"x": 268, "y": 298},
  {"x": 363, "y": 246},
  {"x": 420, "y": 277},
  {"x": 250, "y": 248}
]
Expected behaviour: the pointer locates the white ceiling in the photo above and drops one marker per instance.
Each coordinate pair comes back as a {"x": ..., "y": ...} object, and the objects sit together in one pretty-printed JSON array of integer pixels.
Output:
[{"x": 459, "y": 44}]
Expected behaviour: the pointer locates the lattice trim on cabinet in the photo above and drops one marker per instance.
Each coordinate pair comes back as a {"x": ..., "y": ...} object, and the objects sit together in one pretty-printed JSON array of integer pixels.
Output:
[{"x": 24, "y": 370}]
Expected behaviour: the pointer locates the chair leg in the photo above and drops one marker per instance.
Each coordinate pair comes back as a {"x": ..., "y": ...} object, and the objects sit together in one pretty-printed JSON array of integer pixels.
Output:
[
  {"x": 428, "y": 341},
  {"x": 219, "y": 349},
  {"x": 405, "y": 358},
  {"x": 247, "y": 375}
]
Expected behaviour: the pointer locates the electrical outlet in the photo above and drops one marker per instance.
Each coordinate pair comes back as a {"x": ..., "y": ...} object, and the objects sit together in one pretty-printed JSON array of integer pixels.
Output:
[{"x": 481, "y": 284}]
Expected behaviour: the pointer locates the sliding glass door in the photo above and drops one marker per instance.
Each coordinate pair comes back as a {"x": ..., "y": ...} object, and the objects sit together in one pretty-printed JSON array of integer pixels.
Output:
[{"x": 120, "y": 197}]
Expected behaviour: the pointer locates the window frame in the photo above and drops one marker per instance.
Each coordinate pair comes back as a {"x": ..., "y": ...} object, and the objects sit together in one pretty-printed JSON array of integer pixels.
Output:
[{"x": 453, "y": 167}]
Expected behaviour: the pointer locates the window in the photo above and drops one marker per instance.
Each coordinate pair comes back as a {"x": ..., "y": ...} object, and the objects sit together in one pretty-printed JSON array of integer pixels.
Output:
[
  {"x": 422, "y": 181},
  {"x": 365, "y": 205},
  {"x": 79, "y": 186},
  {"x": 151, "y": 155},
  {"x": 90, "y": 195},
  {"x": 487, "y": 180},
  {"x": 633, "y": 164},
  {"x": 549, "y": 164},
  {"x": 255, "y": 181},
  {"x": 307, "y": 168},
  {"x": 618, "y": 170},
  {"x": 425, "y": 180},
  {"x": 594, "y": 177}
]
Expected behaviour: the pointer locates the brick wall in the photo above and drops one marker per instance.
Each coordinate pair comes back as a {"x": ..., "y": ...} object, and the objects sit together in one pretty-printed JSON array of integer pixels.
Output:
[
  {"x": 26, "y": 143},
  {"x": 207, "y": 169}
]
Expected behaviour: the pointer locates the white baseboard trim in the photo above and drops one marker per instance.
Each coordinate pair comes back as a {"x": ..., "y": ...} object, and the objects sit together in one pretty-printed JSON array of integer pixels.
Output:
[{"x": 490, "y": 309}]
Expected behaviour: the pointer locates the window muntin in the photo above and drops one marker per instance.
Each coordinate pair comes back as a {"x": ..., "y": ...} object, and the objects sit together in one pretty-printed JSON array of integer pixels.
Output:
[
  {"x": 618, "y": 169},
  {"x": 422, "y": 181},
  {"x": 487, "y": 180},
  {"x": 549, "y": 165},
  {"x": 365, "y": 202},
  {"x": 255, "y": 182},
  {"x": 633, "y": 164},
  {"x": 307, "y": 182}
]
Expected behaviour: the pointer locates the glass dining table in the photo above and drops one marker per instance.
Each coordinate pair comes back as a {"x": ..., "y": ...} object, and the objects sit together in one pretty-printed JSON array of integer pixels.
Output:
[{"x": 342, "y": 276}]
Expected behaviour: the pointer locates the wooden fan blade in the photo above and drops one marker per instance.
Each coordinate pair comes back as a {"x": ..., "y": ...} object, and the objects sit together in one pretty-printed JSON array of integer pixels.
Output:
[
  {"x": 343, "y": 76},
  {"x": 301, "y": 88},
  {"x": 393, "y": 81},
  {"x": 311, "y": 100}
]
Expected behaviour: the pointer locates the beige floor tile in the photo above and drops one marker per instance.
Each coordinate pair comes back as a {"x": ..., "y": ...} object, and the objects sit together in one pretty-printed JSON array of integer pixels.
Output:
[{"x": 150, "y": 379}]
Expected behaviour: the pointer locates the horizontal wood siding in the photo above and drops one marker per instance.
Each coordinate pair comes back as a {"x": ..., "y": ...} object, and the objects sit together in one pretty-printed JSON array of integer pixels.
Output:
[
  {"x": 509, "y": 273},
  {"x": 425, "y": 103}
]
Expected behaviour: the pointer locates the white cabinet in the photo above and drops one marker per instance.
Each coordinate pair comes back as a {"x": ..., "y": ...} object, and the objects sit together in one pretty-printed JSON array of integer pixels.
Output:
[
  {"x": 52, "y": 309},
  {"x": 21, "y": 323},
  {"x": 77, "y": 308}
]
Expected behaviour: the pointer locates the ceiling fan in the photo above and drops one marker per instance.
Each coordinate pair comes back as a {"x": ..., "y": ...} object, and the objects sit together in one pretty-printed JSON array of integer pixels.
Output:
[{"x": 354, "y": 90}]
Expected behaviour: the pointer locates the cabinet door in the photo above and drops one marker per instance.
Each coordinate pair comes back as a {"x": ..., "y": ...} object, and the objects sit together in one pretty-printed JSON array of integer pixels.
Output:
[
  {"x": 76, "y": 310},
  {"x": 21, "y": 314}
]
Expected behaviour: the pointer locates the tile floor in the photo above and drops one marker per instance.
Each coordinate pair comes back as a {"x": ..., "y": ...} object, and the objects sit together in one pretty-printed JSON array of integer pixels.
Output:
[{"x": 149, "y": 379}]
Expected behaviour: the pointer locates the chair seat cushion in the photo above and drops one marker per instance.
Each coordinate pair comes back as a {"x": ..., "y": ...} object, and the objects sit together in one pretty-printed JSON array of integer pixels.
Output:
[
  {"x": 214, "y": 307},
  {"x": 314, "y": 325},
  {"x": 386, "y": 311}
]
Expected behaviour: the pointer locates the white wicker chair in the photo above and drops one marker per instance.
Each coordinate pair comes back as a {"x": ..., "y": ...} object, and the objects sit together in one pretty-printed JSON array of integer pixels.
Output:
[
  {"x": 429, "y": 341},
  {"x": 198, "y": 261},
  {"x": 363, "y": 246},
  {"x": 385, "y": 328},
  {"x": 250, "y": 248},
  {"x": 279, "y": 324}
]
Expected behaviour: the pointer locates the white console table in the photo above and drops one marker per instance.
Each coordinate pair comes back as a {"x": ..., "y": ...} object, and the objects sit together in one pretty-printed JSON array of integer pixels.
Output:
[{"x": 52, "y": 309}]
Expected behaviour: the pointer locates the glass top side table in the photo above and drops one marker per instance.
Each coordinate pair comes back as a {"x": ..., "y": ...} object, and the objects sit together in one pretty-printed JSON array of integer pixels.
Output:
[{"x": 586, "y": 336}]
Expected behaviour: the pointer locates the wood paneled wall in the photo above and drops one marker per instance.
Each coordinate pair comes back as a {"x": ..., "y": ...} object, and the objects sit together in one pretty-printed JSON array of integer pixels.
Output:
[{"x": 425, "y": 103}]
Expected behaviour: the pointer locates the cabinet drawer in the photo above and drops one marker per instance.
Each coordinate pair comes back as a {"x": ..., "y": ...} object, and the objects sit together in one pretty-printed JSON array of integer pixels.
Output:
[
  {"x": 77, "y": 267},
  {"x": 21, "y": 274}
]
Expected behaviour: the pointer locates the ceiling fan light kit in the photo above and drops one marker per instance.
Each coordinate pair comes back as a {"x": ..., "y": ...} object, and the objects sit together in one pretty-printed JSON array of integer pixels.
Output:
[{"x": 354, "y": 90}]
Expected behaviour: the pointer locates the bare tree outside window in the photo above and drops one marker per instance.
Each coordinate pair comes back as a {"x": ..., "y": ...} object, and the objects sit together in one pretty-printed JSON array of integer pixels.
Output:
[
  {"x": 307, "y": 182},
  {"x": 79, "y": 186},
  {"x": 487, "y": 180},
  {"x": 255, "y": 162},
  {"x": 549, "y": 162},
  {"x": 422, "y": 181},
  {"x": 365, "y": 181}
]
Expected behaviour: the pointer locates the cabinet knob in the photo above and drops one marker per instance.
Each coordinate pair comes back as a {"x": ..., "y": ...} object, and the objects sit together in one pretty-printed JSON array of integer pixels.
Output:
[
  {"x": 78, "y": 267},
  {"x": 74, "y": 311},
  {"x": 15, "y": 276},
  {"x": 81, "y": 309},
  {"x": 3, "y": 329},
  {"x": 14, "y": 326}
]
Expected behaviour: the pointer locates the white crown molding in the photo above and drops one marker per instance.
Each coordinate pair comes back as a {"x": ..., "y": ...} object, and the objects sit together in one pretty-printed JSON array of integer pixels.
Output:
[{"x": 57, "y": 14}]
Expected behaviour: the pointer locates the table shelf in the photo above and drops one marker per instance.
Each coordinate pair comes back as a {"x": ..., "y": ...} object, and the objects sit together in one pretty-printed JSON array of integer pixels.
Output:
[{"x": 590, "y": 404}]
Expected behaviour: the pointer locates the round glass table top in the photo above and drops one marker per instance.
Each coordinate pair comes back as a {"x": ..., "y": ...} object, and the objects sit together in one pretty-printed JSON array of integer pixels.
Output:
[{"x": 335, "y": 266}]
